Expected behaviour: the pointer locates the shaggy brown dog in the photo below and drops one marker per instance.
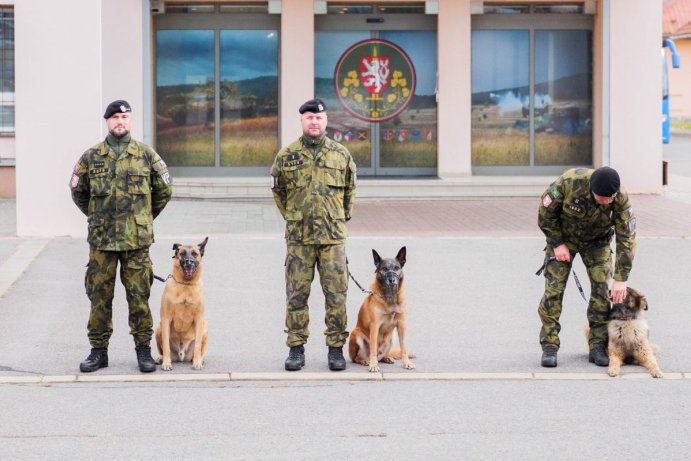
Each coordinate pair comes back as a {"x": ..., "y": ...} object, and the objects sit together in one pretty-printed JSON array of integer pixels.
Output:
[
  {"x": 628, "y": 335},
  {"x": 382, "y": 312},
  {"x": 183, "y": 329}
]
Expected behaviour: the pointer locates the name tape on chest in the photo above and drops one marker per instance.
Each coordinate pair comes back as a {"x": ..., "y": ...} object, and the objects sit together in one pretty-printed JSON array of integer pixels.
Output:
[{"x": 293, "y": 163}]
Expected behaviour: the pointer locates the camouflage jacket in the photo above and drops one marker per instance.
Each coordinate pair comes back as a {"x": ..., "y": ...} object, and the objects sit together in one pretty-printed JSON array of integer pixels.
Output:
[
  {"x": 569, "y": 214},
  {"x": 122, "y": 195},
  {"x": 314, "y": 194}
]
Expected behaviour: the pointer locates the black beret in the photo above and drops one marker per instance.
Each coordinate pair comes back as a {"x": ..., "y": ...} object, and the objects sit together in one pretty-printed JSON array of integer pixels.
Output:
[
  {"x": 313, "y": 105},
  {"x": 605, "y": 181},
  {"x": 117, "y": 107}
]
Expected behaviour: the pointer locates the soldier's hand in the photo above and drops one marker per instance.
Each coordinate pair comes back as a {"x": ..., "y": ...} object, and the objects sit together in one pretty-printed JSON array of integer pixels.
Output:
[
  {"x": 618, "y": 292},
  {"x": 562, "y": 253}
]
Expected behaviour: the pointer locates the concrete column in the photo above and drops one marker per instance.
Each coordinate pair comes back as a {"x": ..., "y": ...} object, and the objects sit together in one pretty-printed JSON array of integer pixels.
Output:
[
  {"x": 635, "y": 93},
  {"x": 454, "y": 52},
  {"x": 68, "y": 67},
  {"x": 297, "y": 64}
]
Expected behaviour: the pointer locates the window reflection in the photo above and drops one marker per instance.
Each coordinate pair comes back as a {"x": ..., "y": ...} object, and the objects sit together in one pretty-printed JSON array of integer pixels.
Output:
[
  {"x": 352, "y": 132},
  {"x": 185, "y": 97},
  {"x": 563, "y": 97},
  {"x": 500, "y": 99},
  {"x": 410, "y": 139},
  {"x": 249, "y": 97}
]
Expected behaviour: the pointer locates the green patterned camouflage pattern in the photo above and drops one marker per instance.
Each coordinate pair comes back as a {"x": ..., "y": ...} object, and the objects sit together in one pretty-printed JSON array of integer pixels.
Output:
[
  {"x": 333, "y": 274},
  {"x": 121, "y": 195},
  {"x": 136, "y": 274},
  {"x": 569, "y": 214},
  {"x": 598, "y": 263},
  {"x": 314, "y": 193}
]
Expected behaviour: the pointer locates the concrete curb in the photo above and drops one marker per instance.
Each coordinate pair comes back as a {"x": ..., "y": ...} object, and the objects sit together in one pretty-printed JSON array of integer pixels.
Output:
[{"x": 343, "y": 377}]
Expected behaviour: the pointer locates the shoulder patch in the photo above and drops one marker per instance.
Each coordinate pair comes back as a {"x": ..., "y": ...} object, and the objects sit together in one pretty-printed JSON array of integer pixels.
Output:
[{"x": 546, "y": 200}]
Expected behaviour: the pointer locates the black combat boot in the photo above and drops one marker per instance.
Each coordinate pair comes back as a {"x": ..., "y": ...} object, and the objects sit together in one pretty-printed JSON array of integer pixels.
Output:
[
  {"x": 98, "y": 358},
  {"x": 296, "y": 358},
  {"x": 336, "y": 360},
  {"x": 598, "y": 356},
  {"x": 549, "y": 356},
  {"x": 144, "y": 359}
]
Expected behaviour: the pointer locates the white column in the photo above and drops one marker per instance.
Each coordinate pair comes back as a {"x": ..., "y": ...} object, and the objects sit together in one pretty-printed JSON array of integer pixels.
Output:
[
  {"x": 454, "y": 52},
  {"x": 72, "y": 58},
  {"x": 636, "y": 93},
  {"x": 297, "y": 64}
]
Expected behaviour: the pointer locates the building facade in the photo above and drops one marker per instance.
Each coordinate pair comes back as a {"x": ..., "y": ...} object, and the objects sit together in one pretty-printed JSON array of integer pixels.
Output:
[{"x": 442, "y": 89}]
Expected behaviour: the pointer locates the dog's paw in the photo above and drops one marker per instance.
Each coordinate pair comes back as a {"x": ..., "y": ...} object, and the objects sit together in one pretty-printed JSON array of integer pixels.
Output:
[
  {"x": 388, "y": 360},
  {"x": 613, "y": 372},
  {"x": 166, "y": 365},
  {"x": 409, "y": 366},
  {"x": 197, "y": 364},
  {"x": 374, "y": 368},
  {"x": 657, "y": 374}
]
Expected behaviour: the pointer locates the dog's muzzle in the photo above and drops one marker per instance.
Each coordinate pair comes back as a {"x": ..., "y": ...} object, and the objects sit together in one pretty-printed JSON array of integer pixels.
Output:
[
  {"x": 189, "y": 267},
  {"x": 391, "y": 280}
]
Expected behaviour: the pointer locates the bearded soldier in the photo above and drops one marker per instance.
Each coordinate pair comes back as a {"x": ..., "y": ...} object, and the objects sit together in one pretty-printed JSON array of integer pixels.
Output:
[
  {"x": 313, "y": 184},
  {"x": 579, "y": 213},
  {"x": 121, "y": 185}
]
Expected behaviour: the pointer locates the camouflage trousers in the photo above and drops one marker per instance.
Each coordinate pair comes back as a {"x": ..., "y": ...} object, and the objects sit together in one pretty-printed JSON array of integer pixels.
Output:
[
  {"x": 333, "y": 275},
  {"x": 136, "y": 275},
  {"x": 598, "y": 263}
]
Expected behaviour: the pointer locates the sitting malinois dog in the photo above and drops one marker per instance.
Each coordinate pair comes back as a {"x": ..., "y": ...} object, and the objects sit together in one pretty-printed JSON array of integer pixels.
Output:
[
  {"x": 381, "y": 312},
  {"x": 183, "y": 329}
]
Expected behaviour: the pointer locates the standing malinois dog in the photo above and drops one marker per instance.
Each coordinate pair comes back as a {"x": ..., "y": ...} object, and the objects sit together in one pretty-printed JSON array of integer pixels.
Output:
[
  {"x": 183, "y": 329},
  {"x": 381, "y": 312}
]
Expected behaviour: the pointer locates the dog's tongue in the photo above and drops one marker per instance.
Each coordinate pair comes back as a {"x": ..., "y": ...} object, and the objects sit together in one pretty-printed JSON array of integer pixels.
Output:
[{"x": 189, "y": 272}]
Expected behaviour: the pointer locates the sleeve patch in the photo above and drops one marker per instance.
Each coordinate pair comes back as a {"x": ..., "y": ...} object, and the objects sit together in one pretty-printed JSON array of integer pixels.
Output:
[
  {"x": 74, "y": 182},
  {"x": 546, "y": 200},
  {"x": 165, "y": 177}
]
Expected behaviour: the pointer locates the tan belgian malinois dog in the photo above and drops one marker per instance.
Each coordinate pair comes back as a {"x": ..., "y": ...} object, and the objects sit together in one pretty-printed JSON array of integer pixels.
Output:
[
  {"x": 183, "y": 332},
  {"x": 381, "y": 312}
]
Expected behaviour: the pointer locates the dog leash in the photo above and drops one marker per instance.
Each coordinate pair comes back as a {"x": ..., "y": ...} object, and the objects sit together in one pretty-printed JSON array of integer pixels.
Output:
[
  {"x": 369, "y": 292},
  {"x": 161, "y": 279},
  {"x": 575, "y": 277}
]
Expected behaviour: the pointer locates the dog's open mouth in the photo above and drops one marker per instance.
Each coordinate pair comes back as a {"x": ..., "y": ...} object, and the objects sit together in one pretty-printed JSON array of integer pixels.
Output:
[{"x": 189, "y": 268}]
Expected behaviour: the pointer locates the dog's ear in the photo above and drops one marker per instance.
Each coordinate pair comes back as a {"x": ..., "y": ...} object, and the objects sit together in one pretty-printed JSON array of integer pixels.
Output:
[
  {"x": 377, "y": 258},
  {"x": 175, "y": 249},
  {"x": 644, "y": 303},
  {"x": 202, "y": 245},
  {"x": 400, "y": 257}
]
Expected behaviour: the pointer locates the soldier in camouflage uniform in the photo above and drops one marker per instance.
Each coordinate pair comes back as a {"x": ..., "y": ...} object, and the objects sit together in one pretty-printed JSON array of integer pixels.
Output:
[
  {"x": 313, "y": 184},
  {"x": 579, "y": 213},
  {"x": 121, "y": 185}
]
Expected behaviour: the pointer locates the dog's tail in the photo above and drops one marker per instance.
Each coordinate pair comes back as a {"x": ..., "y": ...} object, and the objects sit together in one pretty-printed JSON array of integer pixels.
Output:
[{"x": 395, "y": 353}]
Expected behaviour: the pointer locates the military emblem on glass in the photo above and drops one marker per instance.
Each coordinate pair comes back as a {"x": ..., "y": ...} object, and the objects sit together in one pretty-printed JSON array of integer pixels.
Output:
[{"x": 374, "y": 80}]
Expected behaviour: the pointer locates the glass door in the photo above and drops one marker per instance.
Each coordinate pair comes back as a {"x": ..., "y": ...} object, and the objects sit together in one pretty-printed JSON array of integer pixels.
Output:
[
  {"x": 216, "y": 91},
  {"x": 384, "y": 139},
  {"x": 531, "y": 92}
]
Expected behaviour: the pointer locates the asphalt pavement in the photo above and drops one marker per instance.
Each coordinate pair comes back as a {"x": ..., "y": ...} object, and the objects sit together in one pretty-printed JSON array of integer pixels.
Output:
[{"x": 478, "y": 391}]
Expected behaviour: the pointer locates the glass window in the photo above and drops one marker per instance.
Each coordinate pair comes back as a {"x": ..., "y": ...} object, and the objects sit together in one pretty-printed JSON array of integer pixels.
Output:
[
  {"x": 410, "y": 138},
  {"x": 505, "y": 9},
  {"x": 249, "y": 97},
  {"x": 6, "y": 70},
  {"x": 500, "y": 97},
  {"x": 185, "y": 90},
  {"x": 563, "y": 97},
  {"x": 558, "y": 9},
  {"x": 354, "y": 133}
]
